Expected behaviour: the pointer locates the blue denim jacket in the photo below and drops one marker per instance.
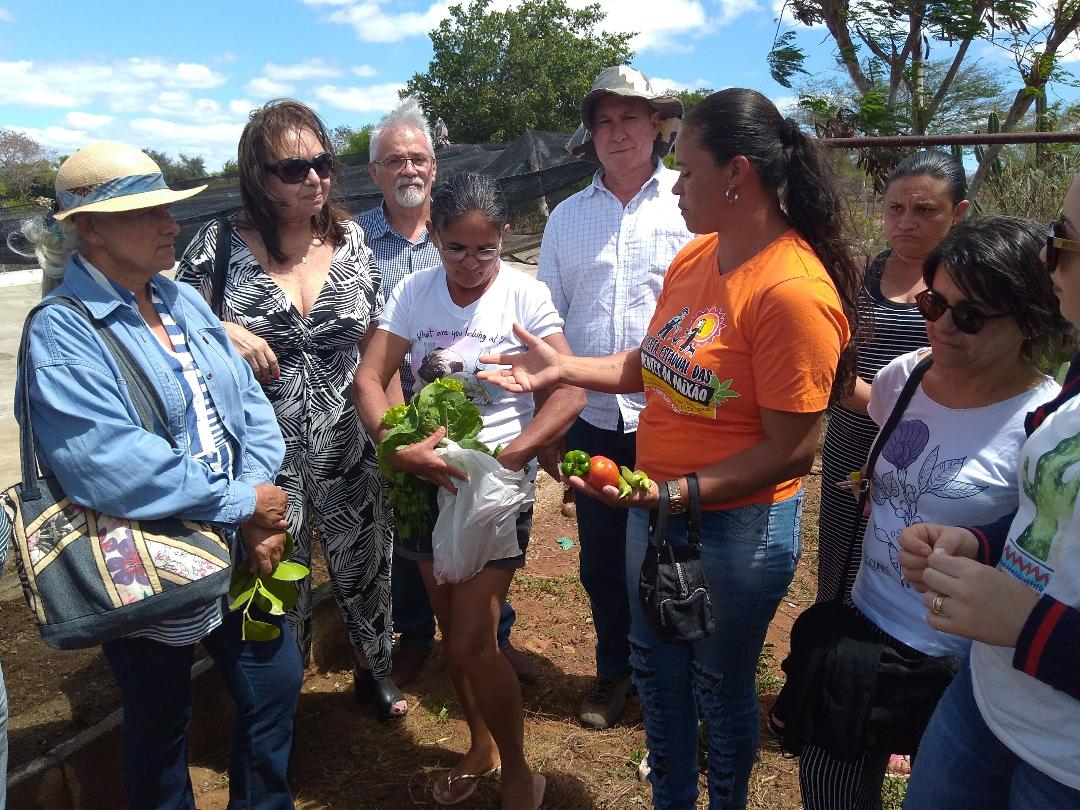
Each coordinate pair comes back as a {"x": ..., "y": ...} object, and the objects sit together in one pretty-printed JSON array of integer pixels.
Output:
[{"x": 88, "y": 432}]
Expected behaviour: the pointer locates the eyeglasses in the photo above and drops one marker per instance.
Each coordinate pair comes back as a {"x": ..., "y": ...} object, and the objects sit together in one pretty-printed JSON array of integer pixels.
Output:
[
  {"x": 295, "y": 170},
  {"x": 397, "y": 163},
  {"x": 483, "y": 256},
  {"x": 967, "y": 316},
  {"x": 1055, "y": 243}
]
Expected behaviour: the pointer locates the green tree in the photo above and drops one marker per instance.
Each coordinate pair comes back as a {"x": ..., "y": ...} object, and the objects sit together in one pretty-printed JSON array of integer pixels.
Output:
[
  {"x": 358, "y": 140},
  {"x": 884, "y": 47},
  {"x": 494, "y": 74},
  {"x": 26, "y": 167},
  {"x": 182, "y": 170}
]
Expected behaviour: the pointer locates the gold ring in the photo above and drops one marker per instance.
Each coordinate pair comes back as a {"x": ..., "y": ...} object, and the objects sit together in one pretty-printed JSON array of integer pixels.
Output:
[{"x": 935, "y": 608}]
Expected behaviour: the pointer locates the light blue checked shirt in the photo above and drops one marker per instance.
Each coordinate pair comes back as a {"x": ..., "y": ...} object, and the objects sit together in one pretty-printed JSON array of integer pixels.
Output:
[
  {"x": 604, "y": 264},
  {"x": 396, "y": 257}
]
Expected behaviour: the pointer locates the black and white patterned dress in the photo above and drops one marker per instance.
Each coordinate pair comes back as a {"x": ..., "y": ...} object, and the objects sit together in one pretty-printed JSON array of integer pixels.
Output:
[
  {"x": 896, "y": 329},
  {"x": 330, "y": 470}
]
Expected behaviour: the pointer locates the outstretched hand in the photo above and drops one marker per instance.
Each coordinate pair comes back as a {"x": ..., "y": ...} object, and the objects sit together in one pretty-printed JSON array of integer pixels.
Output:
[{"x": 539, "y": 367}]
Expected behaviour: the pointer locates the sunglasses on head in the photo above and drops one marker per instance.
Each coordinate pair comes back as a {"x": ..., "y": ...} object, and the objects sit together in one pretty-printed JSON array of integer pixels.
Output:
[
  {"x": 295, "y": 170},
  {"x": 967, "y": 316},
  {"x": 1055, "y": 243}
]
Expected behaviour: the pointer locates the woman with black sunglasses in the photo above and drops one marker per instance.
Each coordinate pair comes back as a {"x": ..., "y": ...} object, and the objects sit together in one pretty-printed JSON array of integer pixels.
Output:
[
  {"x": 299, "y": 298},
  {"x": 1005, "y": 733},
  {"x": 992, "y": 321}
]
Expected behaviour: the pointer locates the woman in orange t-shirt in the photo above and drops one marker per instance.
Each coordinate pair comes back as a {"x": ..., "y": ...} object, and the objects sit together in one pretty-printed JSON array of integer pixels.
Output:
[{"x": 739, "y": 363}]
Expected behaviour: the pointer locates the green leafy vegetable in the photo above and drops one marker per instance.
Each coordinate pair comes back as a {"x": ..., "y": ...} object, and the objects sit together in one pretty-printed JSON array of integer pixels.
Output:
[
  {"x": 439, "y": 403},
  {"x": 275, "y": 594}
]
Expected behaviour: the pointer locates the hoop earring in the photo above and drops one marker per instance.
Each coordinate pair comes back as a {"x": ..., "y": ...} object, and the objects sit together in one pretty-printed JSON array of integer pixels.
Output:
[{"x": 731, "y": 194}]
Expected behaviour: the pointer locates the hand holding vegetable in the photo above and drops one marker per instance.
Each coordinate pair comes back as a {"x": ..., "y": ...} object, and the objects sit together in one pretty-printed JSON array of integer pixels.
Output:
[
  {"x": 407, "y": 451},
  {"x": 599, "y": 477},
  {"x": 421, "y": 460},
  {"x": 271, "y": 591}
]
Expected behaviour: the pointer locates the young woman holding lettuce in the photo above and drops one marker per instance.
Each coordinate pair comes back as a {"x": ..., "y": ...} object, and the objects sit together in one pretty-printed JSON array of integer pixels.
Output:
[{"x": 445, "y": 318}]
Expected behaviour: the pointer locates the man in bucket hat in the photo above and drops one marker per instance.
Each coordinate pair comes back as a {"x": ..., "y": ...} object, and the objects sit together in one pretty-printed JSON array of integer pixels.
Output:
[{"x": 604, "y": 254}]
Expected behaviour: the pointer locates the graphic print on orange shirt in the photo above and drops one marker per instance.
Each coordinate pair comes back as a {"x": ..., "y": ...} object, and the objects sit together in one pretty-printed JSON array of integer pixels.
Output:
[{"x": 669, "y": 369}]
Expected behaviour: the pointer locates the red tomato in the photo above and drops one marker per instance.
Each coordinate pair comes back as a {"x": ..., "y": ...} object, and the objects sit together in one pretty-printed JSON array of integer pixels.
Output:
[{"x": 603, "y": 472}]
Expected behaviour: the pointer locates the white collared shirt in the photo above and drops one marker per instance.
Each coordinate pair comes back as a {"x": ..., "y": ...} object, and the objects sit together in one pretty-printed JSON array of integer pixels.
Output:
[{"x": 604, "y": 264}]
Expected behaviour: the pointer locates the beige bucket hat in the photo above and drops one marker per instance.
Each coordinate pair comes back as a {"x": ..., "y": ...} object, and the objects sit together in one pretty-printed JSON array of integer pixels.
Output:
[
  {"x": 623, "y": 80},
  {"x": 107, "y": 176}
]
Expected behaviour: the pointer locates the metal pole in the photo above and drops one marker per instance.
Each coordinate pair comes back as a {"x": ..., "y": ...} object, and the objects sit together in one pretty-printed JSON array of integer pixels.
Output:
[{"x": 964, "y": 139}]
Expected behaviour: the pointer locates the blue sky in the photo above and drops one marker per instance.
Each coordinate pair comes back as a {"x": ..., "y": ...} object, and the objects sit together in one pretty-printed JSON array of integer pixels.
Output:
[{"x": 181, "y": 77}]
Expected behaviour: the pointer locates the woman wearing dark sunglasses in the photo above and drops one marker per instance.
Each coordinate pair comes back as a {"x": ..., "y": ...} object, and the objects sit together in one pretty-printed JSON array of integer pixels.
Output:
[
  {"x": 1005, "y": 733},
  {"x": 925, "y": 196},
  {"x": 298, "y": 299},
  {"x": 992, "y": 320}
]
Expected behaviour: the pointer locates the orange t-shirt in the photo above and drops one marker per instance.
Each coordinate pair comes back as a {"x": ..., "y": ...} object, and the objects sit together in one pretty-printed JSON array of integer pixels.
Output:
[{"x": 767, "y": 334}]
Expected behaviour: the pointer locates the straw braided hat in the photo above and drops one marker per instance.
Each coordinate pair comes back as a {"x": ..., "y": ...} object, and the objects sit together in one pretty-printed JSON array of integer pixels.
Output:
[{"x": 108, "y": 176}]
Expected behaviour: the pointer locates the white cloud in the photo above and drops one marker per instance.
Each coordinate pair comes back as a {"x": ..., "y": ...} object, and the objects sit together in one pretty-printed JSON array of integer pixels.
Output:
[
  {"x": 61, "y": 139},
  {"x": 5, "y": 15},
  {"x": 364, "y": 71},
  {"x": 375, "y": 98},
  {"x": 242, "y": 106},
  {"x": 302, "y": 71},
  {"x": 265, "y": 88},
  {"x": 679, "y": 25},
  {"x": 373, "y": 24},
  {"x": 662, "y": 85},
  {"x": 181, "y": 104},
  {"x": 83, "y": 121},
  {"x": 119, "y": 85},
  {"x": 787, "y": 105}
]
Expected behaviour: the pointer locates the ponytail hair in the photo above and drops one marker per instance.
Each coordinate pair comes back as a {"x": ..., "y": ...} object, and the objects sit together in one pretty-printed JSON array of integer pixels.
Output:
[{"x": 743, "y": 122}]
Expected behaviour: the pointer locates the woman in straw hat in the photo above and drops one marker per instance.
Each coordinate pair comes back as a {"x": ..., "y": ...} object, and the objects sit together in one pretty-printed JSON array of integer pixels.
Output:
[
  {"x": 106, "y": 245},
  {"x": 299, "y": 298}
]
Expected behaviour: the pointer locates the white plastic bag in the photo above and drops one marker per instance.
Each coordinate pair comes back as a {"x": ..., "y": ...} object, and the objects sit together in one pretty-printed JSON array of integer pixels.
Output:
[{"x": 478, "y": 524}]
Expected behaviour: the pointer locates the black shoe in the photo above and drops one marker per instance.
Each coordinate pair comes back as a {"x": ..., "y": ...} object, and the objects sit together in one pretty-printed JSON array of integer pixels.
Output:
[{"x": 380, "y": 691}]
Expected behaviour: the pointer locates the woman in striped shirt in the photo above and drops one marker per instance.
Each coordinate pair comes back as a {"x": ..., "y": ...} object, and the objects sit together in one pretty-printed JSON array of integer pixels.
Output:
[{"x": 924, "y": 197}]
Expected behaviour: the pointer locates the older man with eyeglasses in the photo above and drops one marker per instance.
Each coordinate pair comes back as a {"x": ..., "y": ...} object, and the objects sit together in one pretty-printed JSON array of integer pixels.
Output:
[{"x": 404, "y": 167}]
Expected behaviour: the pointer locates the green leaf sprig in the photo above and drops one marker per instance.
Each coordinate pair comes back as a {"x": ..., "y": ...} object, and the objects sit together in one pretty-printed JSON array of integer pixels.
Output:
[{"x": 275, "y": 594}]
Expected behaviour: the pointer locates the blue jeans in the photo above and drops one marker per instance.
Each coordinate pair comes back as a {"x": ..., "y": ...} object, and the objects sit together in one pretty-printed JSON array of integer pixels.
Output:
[
  {"x": 413, "y": 616},
  {"x": 264, "y": 680},
  {"x": 963, "y": 766},
  {"x": 749, "y": 555},
  {"x": 602, "y": 542}
]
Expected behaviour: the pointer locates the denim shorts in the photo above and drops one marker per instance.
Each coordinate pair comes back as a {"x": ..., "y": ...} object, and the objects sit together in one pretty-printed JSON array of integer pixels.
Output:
[{"x": 418, "y": 547}]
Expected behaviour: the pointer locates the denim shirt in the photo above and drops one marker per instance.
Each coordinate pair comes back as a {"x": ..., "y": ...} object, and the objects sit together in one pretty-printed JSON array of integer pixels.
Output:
[{"x": 87, "y": 430}]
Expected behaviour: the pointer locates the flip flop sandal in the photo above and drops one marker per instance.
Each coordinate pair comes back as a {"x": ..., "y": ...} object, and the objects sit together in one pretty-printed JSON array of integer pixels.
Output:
[
  {"x": 448, "y": 787},
  {"x": 539, "y": 786}
]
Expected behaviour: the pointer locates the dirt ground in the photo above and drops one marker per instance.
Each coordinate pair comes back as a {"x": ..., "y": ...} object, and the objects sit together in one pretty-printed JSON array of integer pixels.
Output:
[{"x": 345, "y": 759}]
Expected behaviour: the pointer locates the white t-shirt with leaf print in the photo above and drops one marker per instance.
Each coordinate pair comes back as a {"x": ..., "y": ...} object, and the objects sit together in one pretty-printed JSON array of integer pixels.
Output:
[{"x": 940, "y": 465}]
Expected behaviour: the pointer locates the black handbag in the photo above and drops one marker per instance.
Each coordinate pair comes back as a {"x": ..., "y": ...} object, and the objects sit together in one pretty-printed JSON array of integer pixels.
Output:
[
  {"x": 848, "y": 690},
  {"x": 672, "y": 587}
]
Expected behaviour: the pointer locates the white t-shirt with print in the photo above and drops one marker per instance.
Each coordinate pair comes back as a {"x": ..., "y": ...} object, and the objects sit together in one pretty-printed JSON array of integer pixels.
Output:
[
  {"x": 447, "y": 340},
  {"x": 1038, "y": 723},
  {"x": 940, "y": 465}
]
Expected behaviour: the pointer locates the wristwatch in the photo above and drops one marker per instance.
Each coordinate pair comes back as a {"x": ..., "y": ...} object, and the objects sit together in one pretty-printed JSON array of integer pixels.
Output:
[{"x": 675, "y": 498}]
